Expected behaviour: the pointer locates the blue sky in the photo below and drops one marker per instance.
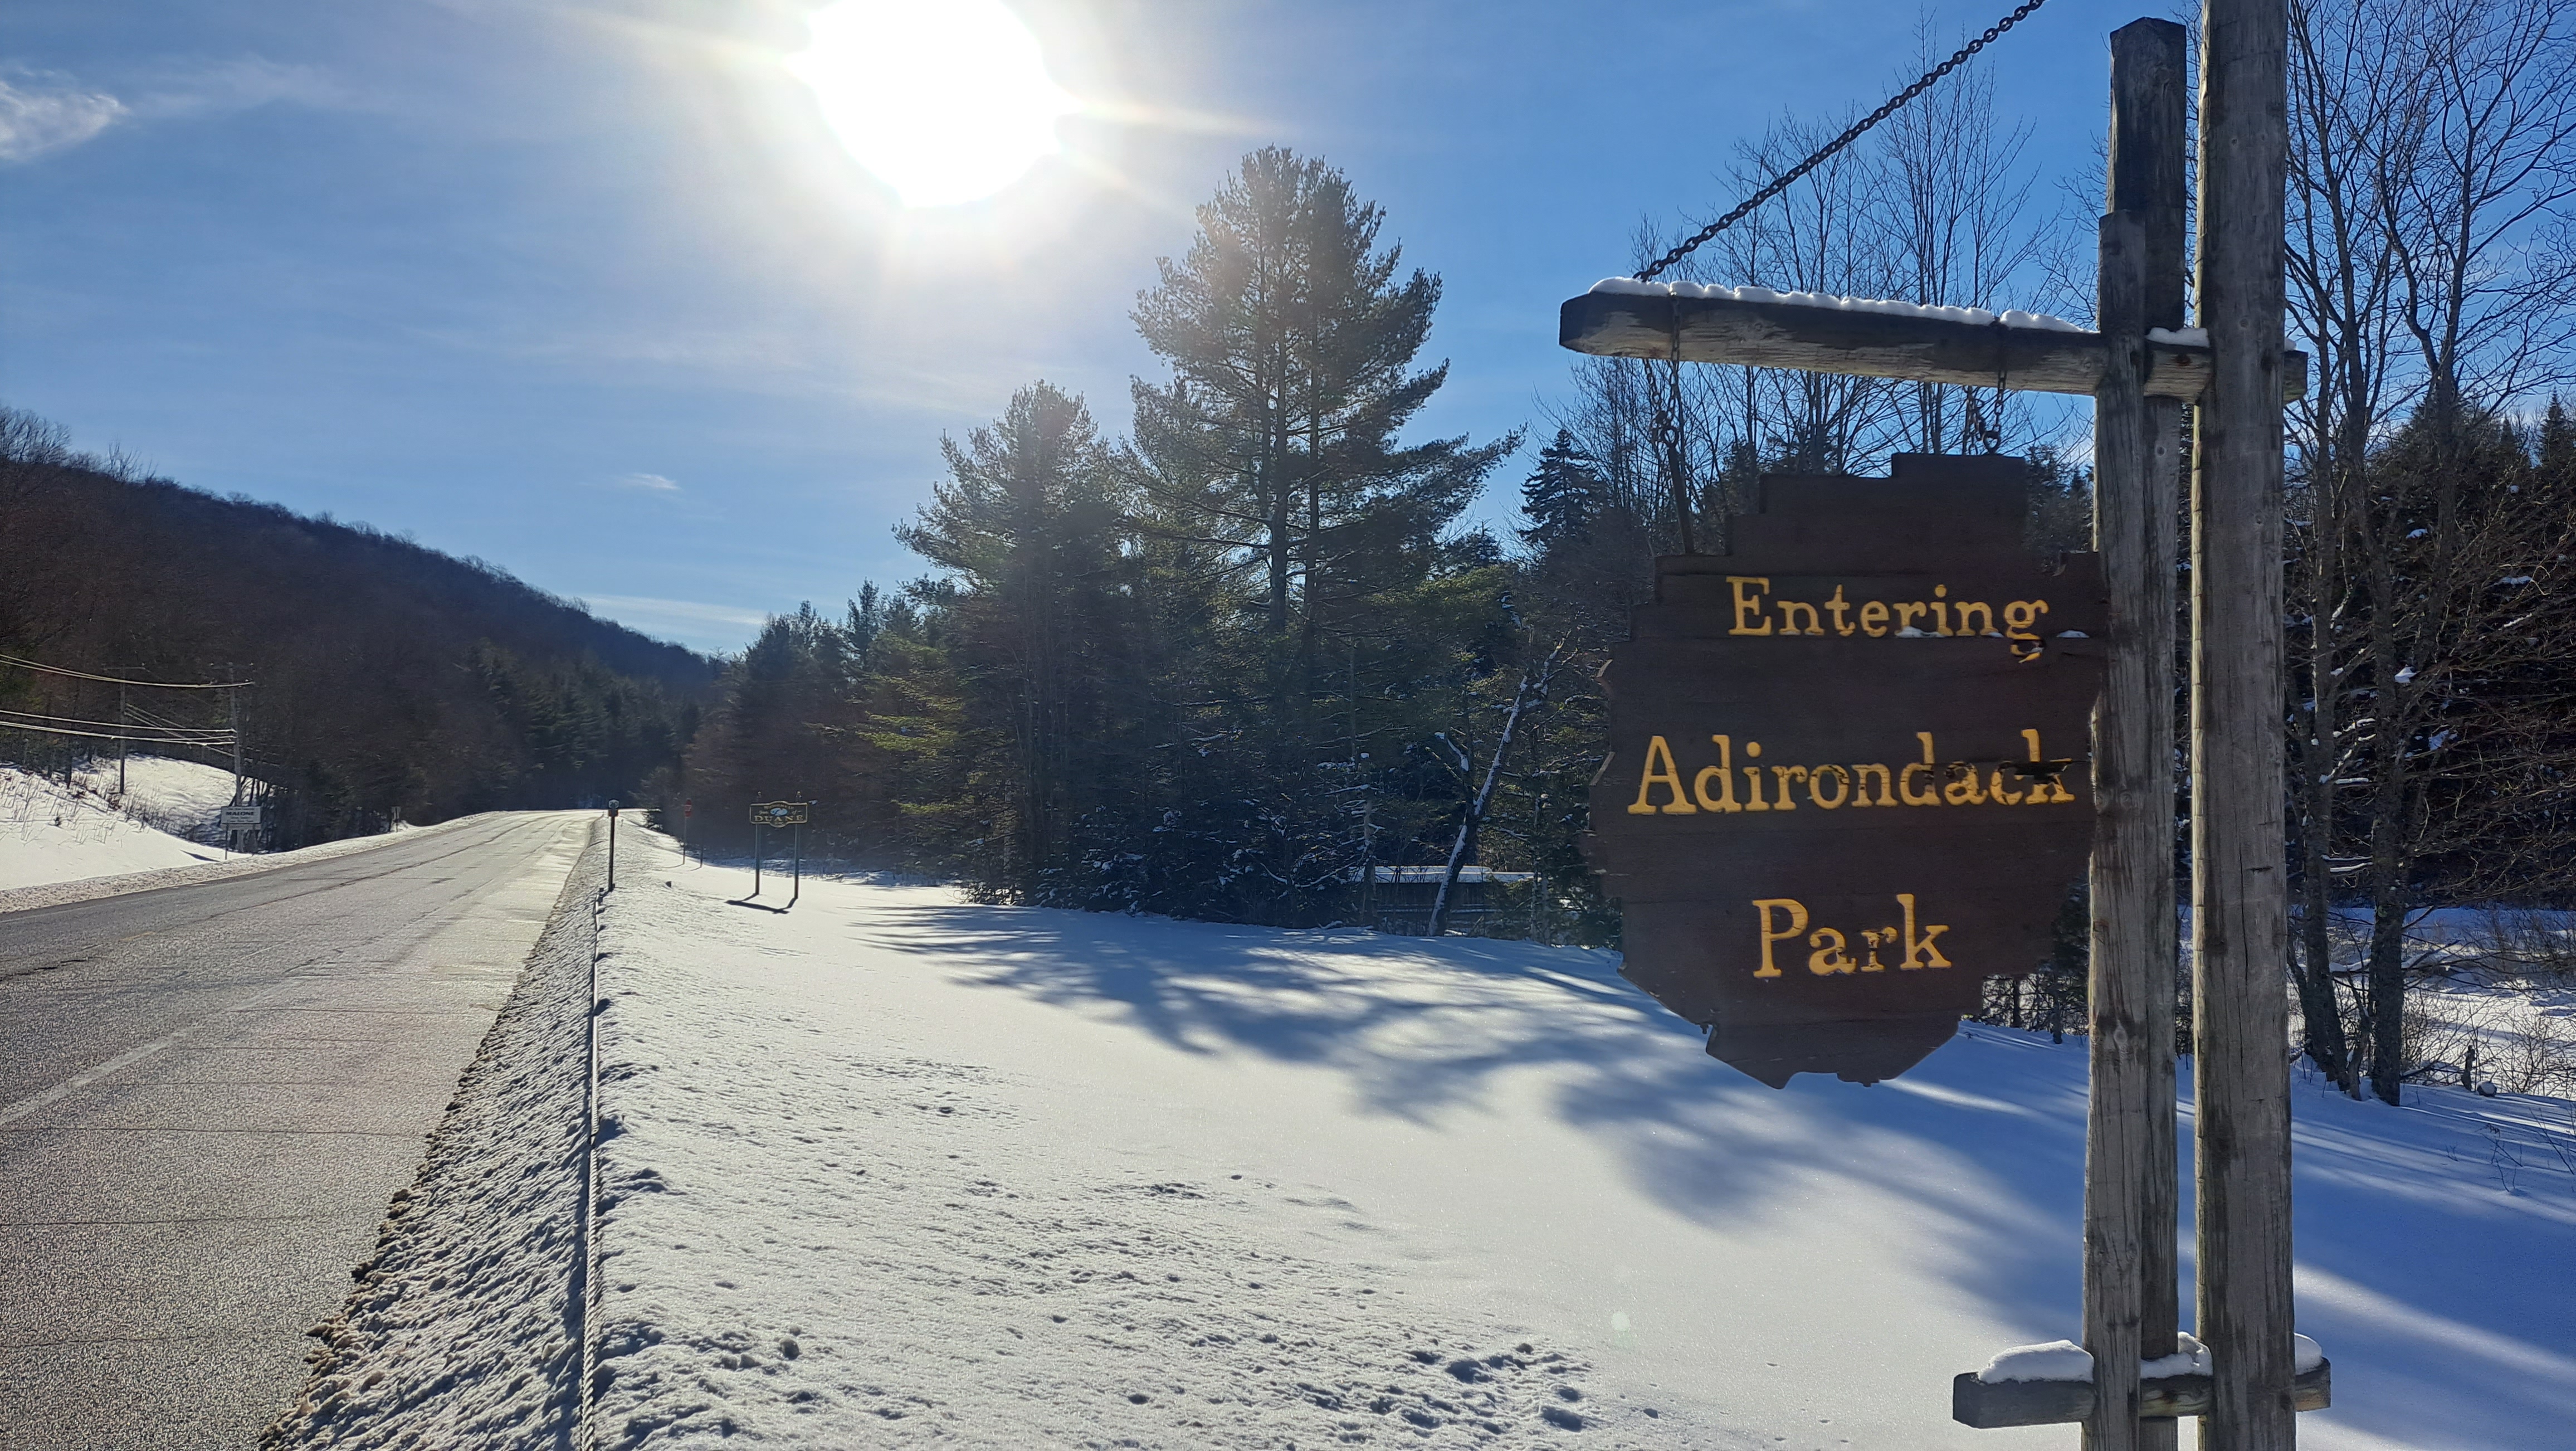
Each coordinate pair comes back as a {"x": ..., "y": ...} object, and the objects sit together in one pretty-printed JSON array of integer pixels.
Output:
[{"x": 590, "y": 291}]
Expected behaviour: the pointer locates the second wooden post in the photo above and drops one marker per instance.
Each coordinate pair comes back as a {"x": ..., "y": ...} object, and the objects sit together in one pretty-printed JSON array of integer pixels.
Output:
[{"x": 2130, "y": 1198}]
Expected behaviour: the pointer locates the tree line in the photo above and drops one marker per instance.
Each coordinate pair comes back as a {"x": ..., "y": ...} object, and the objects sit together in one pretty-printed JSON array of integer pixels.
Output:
[{"x": 390, "y": 680}]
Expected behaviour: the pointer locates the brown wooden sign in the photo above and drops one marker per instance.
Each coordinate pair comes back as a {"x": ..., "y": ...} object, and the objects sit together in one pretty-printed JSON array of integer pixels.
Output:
[{"x": 1848, "y": 768}]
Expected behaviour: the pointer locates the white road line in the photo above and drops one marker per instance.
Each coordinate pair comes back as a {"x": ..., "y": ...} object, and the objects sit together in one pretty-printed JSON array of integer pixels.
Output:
[{"x": 129, "y": 1057}]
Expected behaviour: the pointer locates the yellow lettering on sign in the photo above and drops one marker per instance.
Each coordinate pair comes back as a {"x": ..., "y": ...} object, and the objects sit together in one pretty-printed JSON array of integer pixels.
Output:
[
  {"x": 1839, "y": 607},
  {"x": 1780, "y": 777},
  {"x": 1985, "y": 612},
  {"x": 1794, "y": 911},
  {"x": 1995, "y": 789},
  {"x": 1928, "y": 796},
  {"x": 1941, "y": 610},
  {"x": 1861, "y": 772},
  {"x": 1963, "y": 789},
  {"x": 2051, "y": 791},
  {"x": 1748, "y": 604},
  {"x": 1789, "y": 622},
  {"x": 1873, "y": 618},
  {"x": 2019, "y": 617},
  {"x": 1724, "y": 771},
  {"x": 1829, "y": 957},
  {"x": 1669, "y": 777},
  {"x": 1842, "y": 787},
  {"x": 1907, "y": 612},
  {"x": 1919, "y": 951}
]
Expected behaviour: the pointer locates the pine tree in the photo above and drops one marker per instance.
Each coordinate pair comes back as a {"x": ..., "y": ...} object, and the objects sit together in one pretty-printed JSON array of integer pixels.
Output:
[
  {"x": 1027, "y": 525},
  {"x": 1291, "y": 342},
  {"x": 1561, "y": 495}
]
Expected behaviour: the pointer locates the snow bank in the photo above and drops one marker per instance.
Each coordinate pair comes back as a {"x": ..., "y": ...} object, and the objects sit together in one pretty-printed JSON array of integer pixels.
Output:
[
  {"x": 1974, "y": 316},
  {"x": 464, "y": 1328},
  {"x": 183, "y": 798},
  {"x": 896, "y": 1169},
  {"x": 50, "y": 832},
  {"x": 208, "y": 866}
]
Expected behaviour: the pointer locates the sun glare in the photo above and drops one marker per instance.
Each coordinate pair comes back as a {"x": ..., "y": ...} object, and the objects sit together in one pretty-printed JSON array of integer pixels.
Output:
[{"x": 946, "y": 101}]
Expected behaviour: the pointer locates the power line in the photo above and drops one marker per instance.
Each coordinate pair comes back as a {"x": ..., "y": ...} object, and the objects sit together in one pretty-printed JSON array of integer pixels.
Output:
[
  {"x": 219, "y": 739},
  {"x": 162, "y": 729},
  {"x": 112, "y": 680}
]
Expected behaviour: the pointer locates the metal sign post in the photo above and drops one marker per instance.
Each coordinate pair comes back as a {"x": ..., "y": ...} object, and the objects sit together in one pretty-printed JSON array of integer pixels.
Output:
[
  {"x": 612, "y": 845},
  {"x": 775, "y": 814},
  {"x": 237, "y": 821}
]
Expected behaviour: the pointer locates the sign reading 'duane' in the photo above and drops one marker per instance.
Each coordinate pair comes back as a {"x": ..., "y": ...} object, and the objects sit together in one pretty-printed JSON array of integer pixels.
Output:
[{"x": 1848, "y": 768}]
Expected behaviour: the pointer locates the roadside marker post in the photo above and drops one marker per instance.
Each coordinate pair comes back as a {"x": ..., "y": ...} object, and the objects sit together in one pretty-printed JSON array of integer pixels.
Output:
[{"x": 612, "y": 845}]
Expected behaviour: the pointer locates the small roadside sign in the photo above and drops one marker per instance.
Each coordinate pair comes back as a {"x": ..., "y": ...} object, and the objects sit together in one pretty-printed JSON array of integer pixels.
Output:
[
  {"x": 244, "y": 817},
  {"x": 778, "y": 813}
]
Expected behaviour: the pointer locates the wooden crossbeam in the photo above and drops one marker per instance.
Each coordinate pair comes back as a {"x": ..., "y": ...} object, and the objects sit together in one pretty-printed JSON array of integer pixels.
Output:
[
  {"x": 2059, "y": 1402},
  {"x": 1873, "y": 344}
]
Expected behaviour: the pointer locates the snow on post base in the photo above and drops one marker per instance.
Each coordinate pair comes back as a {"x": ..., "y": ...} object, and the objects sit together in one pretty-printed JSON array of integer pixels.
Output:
[{"x": 2052, "y": 1384}]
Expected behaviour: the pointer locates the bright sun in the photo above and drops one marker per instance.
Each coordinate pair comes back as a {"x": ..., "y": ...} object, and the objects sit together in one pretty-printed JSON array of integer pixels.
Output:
[{"x": 945, "y": 100}]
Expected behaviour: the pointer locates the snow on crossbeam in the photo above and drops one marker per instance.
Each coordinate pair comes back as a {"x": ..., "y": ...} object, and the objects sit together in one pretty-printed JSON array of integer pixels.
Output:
[
  {"x": 1819, "y": 333},
  {"x": 2052, "y": 1384}
]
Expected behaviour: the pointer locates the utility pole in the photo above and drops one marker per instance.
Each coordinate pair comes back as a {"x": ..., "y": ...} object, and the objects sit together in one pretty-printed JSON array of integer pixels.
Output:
[
  {"x": 2130, "y": 1193},
  {"x": 234, "y": 696},
  {"x": 2240, "y": 907}
]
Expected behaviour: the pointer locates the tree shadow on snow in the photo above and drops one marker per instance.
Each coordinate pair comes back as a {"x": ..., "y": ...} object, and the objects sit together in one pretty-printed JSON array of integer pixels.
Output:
[{"x": 2411, "y": 1247}]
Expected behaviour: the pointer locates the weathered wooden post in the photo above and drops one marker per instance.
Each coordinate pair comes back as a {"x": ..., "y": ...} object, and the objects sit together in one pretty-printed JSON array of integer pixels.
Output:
[
  {"x": 2240, "y": 914},
  {"x": 2130, "y": 1197}
]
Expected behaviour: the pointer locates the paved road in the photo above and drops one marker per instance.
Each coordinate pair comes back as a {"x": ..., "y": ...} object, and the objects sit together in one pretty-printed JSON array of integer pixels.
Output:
[{"x": 208, "y": 1095}]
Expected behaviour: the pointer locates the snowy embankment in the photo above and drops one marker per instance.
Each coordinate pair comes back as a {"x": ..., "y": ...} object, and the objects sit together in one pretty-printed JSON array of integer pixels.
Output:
[
  {"x": 63, "y": 844},
  {"x": 896, "y": 1169},
  {"x": 56, "y": 832}
]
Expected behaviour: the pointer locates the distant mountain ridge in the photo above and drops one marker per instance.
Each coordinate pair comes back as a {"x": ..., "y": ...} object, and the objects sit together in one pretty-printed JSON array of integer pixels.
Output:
[{"x": 390, "y": 677}]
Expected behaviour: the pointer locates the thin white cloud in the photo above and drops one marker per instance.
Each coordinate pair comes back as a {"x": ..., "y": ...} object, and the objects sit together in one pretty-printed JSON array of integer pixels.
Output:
[
  {"x": 690, "y": 610},
  {"x": 197, "y": 86},
  {"x": 715, "y": 627},
  {"x": 38, "y": 117},
  {"x": 649, "y": 483},
  {"x": 44, "y": 111}
]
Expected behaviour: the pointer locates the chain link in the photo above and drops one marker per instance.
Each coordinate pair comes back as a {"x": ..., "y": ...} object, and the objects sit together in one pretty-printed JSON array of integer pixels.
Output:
[{"x": 1790, "y": 177}]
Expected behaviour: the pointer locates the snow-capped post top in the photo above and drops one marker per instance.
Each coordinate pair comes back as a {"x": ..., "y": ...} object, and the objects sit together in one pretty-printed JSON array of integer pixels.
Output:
[
  {"x": 1818, "y": 332},
  {"x": 2049, "y": 1360},
  {"x": 2053, "y": 1383}
]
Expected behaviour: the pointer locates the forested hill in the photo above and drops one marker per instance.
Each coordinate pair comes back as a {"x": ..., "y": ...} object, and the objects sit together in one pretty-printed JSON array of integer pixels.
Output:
[{"x": 389, "y": 676}]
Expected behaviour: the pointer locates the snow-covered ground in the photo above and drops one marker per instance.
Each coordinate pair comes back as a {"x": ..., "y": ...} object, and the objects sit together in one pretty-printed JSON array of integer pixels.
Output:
[
  {"x": 895, "y": 1169},
  {"x": 50, "y": 832}
]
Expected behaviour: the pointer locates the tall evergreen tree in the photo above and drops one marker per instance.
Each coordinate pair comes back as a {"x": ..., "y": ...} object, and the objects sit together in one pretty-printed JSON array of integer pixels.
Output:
[
  {"x": 1027, "y": 525},
  {"x": 1562, "y": 494},
  {"x": 1291, "y": 341}
]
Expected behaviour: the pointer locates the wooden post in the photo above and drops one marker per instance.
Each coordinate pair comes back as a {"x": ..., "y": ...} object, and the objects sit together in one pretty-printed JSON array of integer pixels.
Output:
[
  {"x": 2130, "y": 1198},
  {"x": 2240, "y": 912}
]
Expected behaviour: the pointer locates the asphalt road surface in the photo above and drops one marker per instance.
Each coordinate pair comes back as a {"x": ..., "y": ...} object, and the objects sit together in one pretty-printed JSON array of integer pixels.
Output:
[{"x": 209, "y": 1094}]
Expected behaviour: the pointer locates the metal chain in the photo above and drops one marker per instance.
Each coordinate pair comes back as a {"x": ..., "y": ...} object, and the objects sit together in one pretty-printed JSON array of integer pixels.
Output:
[{"x": 1790, "y": 177}]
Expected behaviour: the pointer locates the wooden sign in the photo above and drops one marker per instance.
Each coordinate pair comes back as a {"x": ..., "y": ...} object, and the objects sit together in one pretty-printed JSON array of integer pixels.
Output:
[
  {"x": 1848, "y": 776},
  {"x": 778, "y": 813}
]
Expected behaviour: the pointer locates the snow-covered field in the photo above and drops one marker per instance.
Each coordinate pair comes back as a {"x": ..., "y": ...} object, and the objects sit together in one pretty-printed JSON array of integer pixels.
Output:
[
  {"x": 895, "y": 1169},
  {"x": 50, "y": 832}
]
